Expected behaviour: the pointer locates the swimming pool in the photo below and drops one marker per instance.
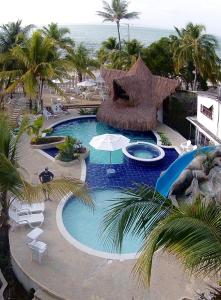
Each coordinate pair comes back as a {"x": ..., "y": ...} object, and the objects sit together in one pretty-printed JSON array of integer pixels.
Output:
[
  {"x": 86, "y": 226},
  {"x": 84, "y": 129},
  {"x": 79, "y": 224}
]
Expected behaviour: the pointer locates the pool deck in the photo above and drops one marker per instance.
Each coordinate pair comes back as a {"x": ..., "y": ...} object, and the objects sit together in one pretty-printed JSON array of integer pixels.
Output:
[{"x": 68, "y": 273}]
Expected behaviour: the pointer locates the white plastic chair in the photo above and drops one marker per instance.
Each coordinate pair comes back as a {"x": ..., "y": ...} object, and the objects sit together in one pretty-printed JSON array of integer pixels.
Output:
[
  {"x": 185, "y": 146},
  {"x": 31, "y": 207},
  {"x": 25, "y": 218},
  {"x": 34, "y": 234},
  {"x": 38, "y": 250}
]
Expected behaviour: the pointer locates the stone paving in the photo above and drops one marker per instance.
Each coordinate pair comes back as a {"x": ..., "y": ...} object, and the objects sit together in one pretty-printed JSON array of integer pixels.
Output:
[{"x": 68, "y": 273}]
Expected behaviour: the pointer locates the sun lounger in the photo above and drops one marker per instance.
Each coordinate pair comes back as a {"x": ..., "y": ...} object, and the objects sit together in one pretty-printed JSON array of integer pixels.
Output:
[
  {"x": 47, "y": 114},
  {"x": 31, "y": 207},
  {"x": 57, "y": 109},
  {"x": 26, "y": 218}
]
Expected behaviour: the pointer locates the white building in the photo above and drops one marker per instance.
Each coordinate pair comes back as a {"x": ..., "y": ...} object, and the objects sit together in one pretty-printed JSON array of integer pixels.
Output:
[{"x": 207, "y": 123}]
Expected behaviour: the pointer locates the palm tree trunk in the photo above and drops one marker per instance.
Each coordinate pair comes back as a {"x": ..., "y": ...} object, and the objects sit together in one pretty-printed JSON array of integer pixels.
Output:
[
  {"x": 2, "y": 102},
  {"x": 195, "y": 80},
  {"x": 118, "y": 31},
  {"x": 80, "y": 76},
  {"x": 5, "y": 263},
  {"x": 30, "y": 104},
  {"x": 40, "y": 93},
  {"x": 4, "y": 211}
]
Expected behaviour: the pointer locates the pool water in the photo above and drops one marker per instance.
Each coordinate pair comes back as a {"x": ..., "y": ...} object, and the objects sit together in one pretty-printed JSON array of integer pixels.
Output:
[
  {"x": 86, "y": 128},
  {"x": 84, "y": 224},
  {"x": 143, "y": 151},
  {"x": 143, "y": 154}
]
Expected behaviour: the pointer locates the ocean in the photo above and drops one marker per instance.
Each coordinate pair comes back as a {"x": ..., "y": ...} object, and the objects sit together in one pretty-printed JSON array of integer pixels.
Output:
[{"x": 93, "y": 35}]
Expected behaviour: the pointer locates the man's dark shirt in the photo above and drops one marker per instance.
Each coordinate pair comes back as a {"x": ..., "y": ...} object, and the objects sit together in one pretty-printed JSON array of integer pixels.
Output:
[{"x": 46, "y": 176}]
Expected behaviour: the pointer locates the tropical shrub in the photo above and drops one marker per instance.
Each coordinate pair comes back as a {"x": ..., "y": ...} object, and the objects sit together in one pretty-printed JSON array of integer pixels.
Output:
[
  {"x": 85, "y": 111},
  {"x": 46, "y": 140},
  {"x": 35, "y": 130},
  {"x": 67, "y": 150},
  {"x": 164, "y": 139}
]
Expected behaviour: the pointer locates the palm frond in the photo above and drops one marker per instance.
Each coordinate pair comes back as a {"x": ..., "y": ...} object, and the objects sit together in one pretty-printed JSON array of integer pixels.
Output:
[
  {"x": 58, "y": 188},
  {"x": 136, "y": 212},
  {"x": 192, "y": 233}
]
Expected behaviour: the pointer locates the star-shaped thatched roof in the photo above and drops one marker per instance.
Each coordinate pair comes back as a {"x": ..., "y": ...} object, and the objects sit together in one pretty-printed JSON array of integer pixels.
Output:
[{"x": 135, "y": 97}]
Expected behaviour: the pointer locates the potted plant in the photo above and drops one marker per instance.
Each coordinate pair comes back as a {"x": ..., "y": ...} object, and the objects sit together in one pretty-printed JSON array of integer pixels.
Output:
[
  {"x": 42, "y": 142},
  {"x": 67, "y": 152}
]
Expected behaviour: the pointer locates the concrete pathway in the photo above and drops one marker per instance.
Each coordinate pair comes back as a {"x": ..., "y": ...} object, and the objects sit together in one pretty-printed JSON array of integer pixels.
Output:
[
  {"x": 71, "y": 274},
  {"x": 68, "y": 273}
]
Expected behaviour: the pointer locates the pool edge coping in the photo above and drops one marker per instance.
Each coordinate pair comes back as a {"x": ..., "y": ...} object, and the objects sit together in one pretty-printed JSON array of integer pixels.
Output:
[
  {"x": 63, "y": 201},
  {"x": 79, "y": 245}
]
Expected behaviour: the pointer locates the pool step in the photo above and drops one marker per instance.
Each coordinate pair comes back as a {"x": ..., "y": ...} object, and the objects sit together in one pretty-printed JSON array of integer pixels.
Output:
[{"x": 43, "y": 295}]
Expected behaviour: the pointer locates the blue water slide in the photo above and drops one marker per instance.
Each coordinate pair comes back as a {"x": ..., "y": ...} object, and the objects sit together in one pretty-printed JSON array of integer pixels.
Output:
[{"x": 166, "y": 180}]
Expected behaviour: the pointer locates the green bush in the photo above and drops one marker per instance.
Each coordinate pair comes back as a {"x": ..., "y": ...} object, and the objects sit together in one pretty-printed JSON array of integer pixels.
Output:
[
  {"x": 45, "y": 140},
  {"x": 164, "y": 139},
  {"x": 67, "y": 150},
  {"x": 87, "y": 111}
]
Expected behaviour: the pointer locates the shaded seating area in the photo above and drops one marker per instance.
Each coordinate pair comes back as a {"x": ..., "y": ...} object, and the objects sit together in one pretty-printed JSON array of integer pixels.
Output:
[{"x": 135, "y": 97}]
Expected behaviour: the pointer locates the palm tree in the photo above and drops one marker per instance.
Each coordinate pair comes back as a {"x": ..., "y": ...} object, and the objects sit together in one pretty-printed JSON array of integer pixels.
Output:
[
  {"x": 81, "y": 62},
  {"x": 11, "y": 181},
  {"x": 39, "y": 62},
  {"x": 115, "y": 12},
  {"x": 190, "y": 232},
  {"x": 133, "y": 47},
  {"x": 121, "y": 60},
  {"x": 110, "y": 44},
  {"x": 12, "y": 34},
  {"x": 12, "y": 184},
  {"x": 193, "y": 45},
  {"x": 59, "y": 34}
]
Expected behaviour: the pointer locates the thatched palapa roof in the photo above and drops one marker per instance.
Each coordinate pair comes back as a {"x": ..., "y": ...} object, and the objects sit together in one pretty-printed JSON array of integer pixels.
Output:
[{"x": 135, "y": 97}]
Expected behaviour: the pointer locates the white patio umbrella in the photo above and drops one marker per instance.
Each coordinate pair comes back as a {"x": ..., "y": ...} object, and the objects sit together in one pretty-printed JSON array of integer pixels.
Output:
[
  {"x": 109, "y": 142},
  {"x": 86, "y": 83}
]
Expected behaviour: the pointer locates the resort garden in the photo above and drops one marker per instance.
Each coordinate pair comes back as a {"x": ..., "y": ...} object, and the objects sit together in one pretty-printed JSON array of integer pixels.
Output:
[{"x": 124, "y": 218}]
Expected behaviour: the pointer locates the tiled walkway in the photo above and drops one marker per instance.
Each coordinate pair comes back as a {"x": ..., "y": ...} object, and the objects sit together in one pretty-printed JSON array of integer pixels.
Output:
[{"x": 128, "y": 174}]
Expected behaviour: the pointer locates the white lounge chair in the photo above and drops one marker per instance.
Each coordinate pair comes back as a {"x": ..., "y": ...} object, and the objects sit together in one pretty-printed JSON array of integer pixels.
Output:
[
  {"x": 26, "y": 218},
  {"x": 31, "y": 207},
  {"x": 47, "y": 114},
  {"x": 57, "y": 109}
]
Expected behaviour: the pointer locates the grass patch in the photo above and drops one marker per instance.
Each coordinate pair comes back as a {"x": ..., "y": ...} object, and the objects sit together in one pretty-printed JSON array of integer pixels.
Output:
[{"x": 164, "y": 139}]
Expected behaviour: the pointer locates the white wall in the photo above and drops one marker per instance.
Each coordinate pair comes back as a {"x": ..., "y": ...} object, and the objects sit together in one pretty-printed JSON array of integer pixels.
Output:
[{"x": 209, "y": 124}]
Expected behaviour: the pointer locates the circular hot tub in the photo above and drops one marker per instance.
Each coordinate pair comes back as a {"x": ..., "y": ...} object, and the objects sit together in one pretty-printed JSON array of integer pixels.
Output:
[{"x": 144, "y": 152}]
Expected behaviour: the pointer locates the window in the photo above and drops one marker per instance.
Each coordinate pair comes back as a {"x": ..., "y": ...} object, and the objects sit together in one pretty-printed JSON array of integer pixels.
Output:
[{"x": 208, "y": 112}]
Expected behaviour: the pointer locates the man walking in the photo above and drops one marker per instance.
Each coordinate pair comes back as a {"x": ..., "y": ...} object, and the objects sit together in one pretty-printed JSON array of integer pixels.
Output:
[{"x": 45, "y": 177}]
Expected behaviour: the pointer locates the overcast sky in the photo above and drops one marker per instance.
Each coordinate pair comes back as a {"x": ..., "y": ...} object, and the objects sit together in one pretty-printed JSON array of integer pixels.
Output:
[{"x": 154, "y": 13}]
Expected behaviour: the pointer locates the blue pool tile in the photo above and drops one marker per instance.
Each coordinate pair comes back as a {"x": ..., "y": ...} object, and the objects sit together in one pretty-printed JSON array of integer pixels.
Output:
[{"x": 127, "y": 174}]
